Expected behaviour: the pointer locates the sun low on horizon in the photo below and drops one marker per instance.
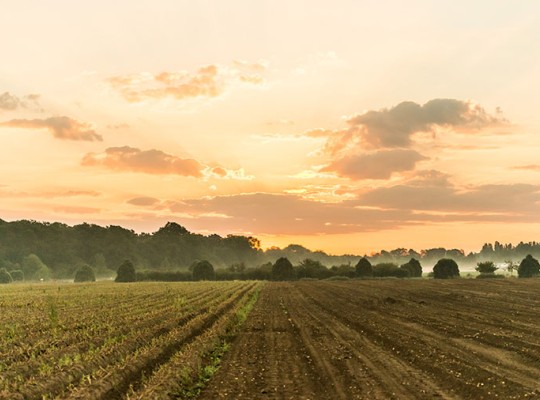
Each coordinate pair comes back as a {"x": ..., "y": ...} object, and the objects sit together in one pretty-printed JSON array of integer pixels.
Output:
[{"x": 349, "y": 127}]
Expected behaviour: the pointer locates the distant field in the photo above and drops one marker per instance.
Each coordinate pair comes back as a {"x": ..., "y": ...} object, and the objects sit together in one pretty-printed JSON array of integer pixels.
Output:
[{"x": 365, "y": 339}]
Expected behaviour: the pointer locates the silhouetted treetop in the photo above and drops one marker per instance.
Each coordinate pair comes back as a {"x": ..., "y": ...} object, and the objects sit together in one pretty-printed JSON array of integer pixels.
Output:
[
  {"x": 364, "y": 268},
  {"x": 172, "y": 228}
]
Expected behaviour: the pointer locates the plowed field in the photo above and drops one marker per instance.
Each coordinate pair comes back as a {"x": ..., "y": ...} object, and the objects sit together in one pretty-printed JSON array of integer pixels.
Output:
[{"x": 387, "y": 339}]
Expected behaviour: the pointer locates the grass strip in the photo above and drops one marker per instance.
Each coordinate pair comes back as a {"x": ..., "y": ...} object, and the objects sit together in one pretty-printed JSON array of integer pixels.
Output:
[{"x": 212, "y": 358}]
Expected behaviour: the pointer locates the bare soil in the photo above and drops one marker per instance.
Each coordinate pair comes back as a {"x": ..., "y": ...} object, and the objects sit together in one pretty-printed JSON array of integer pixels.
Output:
[{"x": 387, "y": 339}]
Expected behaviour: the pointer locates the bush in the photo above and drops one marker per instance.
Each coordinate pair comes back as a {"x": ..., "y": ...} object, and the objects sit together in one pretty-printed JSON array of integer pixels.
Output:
[
  {"x": 282, "y": 270},
  {"x": 364, "y": 268},
  {"x": 413, "y": 267},
  {"x": 34, "y": 268},
  {"x": 17, "y": 275},
  {"x": 126, "y": 272},
  {"x": 5, "y": 276},
  {"x": 486, "y": 267},
  {"x": 203, "y": 271},
  {"x": 528, "y": 267},
  {"x": 445, "y": 268},
  {"x": 262, "y": 272},
  {"x": 383, "y": 270},
  {"x": 343, "y": 270},
  {"x": 85, "y": 274}
]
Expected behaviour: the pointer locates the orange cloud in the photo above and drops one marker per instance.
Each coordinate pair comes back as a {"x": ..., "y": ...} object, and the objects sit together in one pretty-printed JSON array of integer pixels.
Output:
[
  {"x": 208, "y": 81},
  {"x": 144, "y": 201},
  {"x": 219, "y": 171},
  {"x": 61, "y": 127},
  {"x": 378, "y": 165},
  {"x": 71, "y": 193},
  {"x": 225, "y": 173},
  {"x": 147, "y": 161},
  {"x": 531, "y": 167},
  {"x": 157, "y": 162},
  {"x": 278, "y": 214},
  {"x": 428, "y": 199},
  {"x": 49, "y": 194}
]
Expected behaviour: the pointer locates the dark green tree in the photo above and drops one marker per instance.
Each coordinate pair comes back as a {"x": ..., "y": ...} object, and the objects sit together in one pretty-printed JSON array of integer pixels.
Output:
[
  {"x": 414, "y": 268},
  {"x": 5, "y": 276},
  {"x": 17, "y": 275},
  {"x": 203, "y": 271},
  {"x": 364, "y": 268},
  {"x": 528, "y": 267},
  {"x": 85, "y": 274},
  {"x": 486, "y": 267},
  {"x": 445, "y": 268},
  {"x": 309, "y": 268},
  {"x": 282, "y": 270},
  {"x": 126, "y": 272}
]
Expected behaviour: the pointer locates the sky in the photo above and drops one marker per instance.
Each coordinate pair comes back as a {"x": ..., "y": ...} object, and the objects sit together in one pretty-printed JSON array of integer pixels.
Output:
[{"x": 344, "y": 126}]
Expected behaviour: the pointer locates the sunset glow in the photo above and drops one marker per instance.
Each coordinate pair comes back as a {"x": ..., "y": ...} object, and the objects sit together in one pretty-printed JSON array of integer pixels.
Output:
[{"x": 348, "y": 126}]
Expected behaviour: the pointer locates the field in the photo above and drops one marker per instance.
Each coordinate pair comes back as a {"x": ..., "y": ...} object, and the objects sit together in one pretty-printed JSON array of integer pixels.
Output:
[
  {"x": 365, "y": 339},
  {"x": 387, "y": 339},
  {"x": 113, "y": 341}
]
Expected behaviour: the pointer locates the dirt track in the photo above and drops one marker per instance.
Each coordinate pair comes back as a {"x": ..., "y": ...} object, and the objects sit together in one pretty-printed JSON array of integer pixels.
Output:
[{"x": 387, "y": 339}]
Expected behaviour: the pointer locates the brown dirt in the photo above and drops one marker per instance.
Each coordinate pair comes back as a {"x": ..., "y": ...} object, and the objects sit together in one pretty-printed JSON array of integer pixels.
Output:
[{"x": 387, "y": 339}]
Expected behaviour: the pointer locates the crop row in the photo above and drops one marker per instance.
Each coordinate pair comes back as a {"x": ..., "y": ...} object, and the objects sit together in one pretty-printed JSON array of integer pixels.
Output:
[{"x": 97, "y": 351}]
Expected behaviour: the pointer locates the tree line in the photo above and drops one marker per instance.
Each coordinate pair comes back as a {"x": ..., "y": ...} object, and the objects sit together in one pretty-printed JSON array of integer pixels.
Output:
[{"x": 40, "y": 251}]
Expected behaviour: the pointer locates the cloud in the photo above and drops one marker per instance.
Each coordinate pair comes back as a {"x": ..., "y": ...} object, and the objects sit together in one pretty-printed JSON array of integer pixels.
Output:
[
  {"x": 227, "y": 174},
  {"x": 147, "y": 161},
  {"x": 394, "y": 127},
  {"x": 280, "y": 123},
  {"x": 9, "y": 102},
  {"x": 219, "y": 171},
  {"x": 530, "y": 167},
  {"x": 71, "y": 193},
  {"x": 207, "y": 82},
  {"x": 61, "y": 127},
  {"x": 279, "y": 214},
  {"x": 67, "y": 193},
  {"x": 157, "y": 162},
  {"x": 427, "y": 199},
  {"x": 377, "y": 165},
  {"x": 438, "y": 194},
  {"x": 144, "y": 201},
  {"x": 246, "y": 66}
]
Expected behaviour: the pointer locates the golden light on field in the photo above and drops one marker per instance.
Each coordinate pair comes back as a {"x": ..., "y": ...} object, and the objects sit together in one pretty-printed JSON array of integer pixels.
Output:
[{"x": 347, "y": 127}]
